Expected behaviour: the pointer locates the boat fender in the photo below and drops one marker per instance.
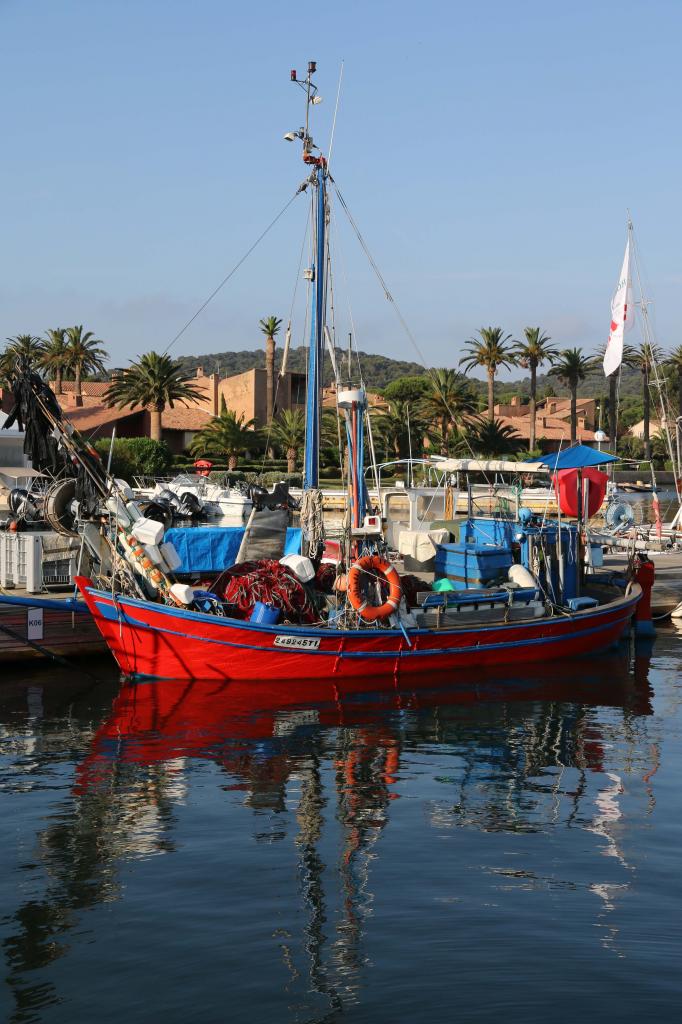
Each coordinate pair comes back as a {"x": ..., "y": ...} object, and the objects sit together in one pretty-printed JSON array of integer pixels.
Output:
[
  {"x": 148, "y": 531},
  {"x": 155, "y": 555},
  {"x": 133, "y": 510},
  {"x": 182, "y": 594},
  {"x": 302, "y": 567},
  {"x": 374, "y": 565},
  {"x": 118, "y": 511},
  {"x": 170, "y": 556},
  {"x": 645, "y": 575},
  {"x": 124, "y": 489},
  {"x": 522, "y": 577}
]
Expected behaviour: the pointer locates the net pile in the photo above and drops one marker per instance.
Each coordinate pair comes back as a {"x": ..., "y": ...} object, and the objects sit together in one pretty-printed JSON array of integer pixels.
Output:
[{"x": 271, "y": 583}]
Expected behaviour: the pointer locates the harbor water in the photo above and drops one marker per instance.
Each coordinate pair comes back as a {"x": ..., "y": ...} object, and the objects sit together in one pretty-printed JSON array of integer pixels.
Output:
[{"x": 474, "y": 848}]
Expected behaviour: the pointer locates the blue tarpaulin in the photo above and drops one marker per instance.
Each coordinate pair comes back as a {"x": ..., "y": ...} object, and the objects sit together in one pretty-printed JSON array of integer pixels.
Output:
[
  {"x": 212, "y": 549},
  {"x": 577, "y": 457}
]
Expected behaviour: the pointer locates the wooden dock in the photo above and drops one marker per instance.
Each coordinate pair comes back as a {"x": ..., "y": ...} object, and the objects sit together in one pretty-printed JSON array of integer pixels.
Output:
[
  {"x": 667, "y": 592},
  {"x": 29, "y": 630}
]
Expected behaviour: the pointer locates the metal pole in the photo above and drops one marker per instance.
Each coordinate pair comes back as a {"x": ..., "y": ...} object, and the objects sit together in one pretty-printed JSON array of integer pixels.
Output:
[
  {"x": 410, "y": 473},
  {"x": 111, "y": 449},
  {"x": 311, "y": 473},
  {"x": 579, "y": 529}
]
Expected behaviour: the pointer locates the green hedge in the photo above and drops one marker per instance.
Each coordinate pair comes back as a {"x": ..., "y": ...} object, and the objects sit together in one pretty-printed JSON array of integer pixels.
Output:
[{"x": 136, "y": 456}]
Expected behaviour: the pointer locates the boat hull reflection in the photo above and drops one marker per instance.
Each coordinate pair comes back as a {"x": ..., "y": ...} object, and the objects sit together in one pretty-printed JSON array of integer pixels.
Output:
[{"x": 159, "y": 720}]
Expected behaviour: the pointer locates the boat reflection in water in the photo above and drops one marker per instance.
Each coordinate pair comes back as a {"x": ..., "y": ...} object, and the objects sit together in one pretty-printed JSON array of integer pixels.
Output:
[{"x": 323, "y": 769}]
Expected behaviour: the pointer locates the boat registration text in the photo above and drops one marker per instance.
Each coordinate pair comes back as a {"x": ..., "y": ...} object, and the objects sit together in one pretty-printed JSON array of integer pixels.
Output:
[{"x": 304, "y": 643}]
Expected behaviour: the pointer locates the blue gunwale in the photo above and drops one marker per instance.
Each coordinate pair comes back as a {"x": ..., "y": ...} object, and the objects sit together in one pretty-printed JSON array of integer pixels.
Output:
[{"x": 102, "y": 597}]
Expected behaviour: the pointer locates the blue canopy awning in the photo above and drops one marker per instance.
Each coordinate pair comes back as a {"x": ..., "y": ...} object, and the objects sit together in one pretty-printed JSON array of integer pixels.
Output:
[{"x": 577, "y": 457}]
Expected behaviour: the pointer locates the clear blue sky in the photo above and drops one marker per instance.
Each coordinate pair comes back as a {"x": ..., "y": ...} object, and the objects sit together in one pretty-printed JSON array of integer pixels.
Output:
[{"x": 488, "y": 152}]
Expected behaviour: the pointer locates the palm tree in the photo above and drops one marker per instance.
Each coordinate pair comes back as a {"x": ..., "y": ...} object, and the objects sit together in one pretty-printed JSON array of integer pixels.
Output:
[
  {"x": 55, "y": 356},
  {"x": 392, "y": 429},
  {"x": 448, "y": 398},
  {"x": 673, "y": 365},
  {"x": 629, "y": 359},
  {"x": 270, "y": 327},
  {"x": 530, "y": 354},
  {"x": 571, "y": 368},
  {"x": 488, "y": 439},
  {"x": 153, "y": 382},
  {"x": 491, "y": 350},
  {"x": 227, "y": 434},
  {"x": 23, "y": 350},
  {"x": 288, "y": 431},
  {"x": 645, "y": 357},
  {"x": 86, "y": 354}
]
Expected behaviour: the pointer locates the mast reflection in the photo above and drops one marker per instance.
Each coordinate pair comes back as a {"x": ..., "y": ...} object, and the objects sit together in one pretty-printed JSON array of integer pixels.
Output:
[{"x": 326, "y": 765}]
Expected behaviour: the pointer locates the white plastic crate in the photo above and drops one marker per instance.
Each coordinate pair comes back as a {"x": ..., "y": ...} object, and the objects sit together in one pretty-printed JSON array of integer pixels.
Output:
[{"x": 21, "y": 558}]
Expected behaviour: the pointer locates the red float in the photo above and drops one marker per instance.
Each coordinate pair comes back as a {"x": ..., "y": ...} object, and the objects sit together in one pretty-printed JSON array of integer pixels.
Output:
[
  {"x": 566, "y": 488},
  {"x": 203, "y": 467}
]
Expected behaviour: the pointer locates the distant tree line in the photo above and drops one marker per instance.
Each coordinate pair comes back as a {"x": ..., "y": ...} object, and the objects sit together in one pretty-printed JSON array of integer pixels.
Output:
[{"x": 442, "y": 407}]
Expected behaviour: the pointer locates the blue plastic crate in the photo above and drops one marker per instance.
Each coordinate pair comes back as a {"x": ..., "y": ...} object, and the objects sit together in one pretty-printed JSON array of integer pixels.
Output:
[{"x": 472, "y": 565}]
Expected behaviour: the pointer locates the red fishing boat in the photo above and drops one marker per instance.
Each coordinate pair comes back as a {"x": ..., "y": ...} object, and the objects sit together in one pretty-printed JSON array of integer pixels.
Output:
[{"x": 156, "y": 640}]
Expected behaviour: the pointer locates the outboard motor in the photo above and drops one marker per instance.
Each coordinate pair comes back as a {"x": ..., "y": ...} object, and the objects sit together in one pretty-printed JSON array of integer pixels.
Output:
[
  {"x": 21, "y": 504},
  {"x": 159, "y": 510},
  {"x": 190, "y": 507},
  {"x": 278, "y": 497}
]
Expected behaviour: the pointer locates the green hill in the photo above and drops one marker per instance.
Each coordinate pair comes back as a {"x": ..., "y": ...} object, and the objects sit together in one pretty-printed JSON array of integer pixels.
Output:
[{"x": 378, "y": 371}]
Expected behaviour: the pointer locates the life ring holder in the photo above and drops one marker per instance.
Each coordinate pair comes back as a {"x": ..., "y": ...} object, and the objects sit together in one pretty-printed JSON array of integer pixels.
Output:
[{"x": 376, "y": 565}]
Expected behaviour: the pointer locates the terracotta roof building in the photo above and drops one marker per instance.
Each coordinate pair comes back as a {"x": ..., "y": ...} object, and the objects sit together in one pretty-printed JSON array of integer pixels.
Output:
[
  {"x": 243, "y": 393},
  {"x": 552, "y": 420},
  {"x": 637, "y": 429}
]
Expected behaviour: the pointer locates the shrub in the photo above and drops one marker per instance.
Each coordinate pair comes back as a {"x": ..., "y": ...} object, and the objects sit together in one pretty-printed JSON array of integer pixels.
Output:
[
  {"x": 136, "y": 456},
  {"x": 293, "y": 479}
]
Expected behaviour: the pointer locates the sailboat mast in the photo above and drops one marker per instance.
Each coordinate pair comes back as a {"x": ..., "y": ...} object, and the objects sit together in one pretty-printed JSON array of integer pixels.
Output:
[
  {"x": 658, "y": 383},
  {"x": 317, "y": 274},
  {"x": 311, "y": 472}
]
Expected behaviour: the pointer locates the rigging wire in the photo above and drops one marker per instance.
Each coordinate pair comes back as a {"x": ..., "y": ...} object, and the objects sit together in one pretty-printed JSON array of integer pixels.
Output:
[
  {"x": 354, "y": 346},
  {"x": 336, "y": 110},
  {"x": 234, "y": 270},
  {"x": 280, "y": 375},
  {"x": 651, "y": 343},
  {"x": 390, "y": 298}
]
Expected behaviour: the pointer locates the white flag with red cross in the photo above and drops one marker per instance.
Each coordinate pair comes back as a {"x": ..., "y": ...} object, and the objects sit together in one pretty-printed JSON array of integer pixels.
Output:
[{"x": 622, "y": 317}]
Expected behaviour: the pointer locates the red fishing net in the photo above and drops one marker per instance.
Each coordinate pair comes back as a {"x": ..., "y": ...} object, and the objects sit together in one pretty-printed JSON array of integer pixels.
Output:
[{"x": 271, "y": 583}]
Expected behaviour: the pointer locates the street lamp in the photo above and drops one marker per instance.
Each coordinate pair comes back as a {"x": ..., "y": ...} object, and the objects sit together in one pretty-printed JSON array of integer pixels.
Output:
[{"x": 600, "y": 436}]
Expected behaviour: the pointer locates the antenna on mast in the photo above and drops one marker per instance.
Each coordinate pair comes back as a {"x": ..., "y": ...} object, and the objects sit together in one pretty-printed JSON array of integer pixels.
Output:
[{"x": 312, "y": 99}]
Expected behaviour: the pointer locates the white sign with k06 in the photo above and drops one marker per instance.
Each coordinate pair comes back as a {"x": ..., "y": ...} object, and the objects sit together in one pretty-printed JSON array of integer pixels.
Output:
[{"x": 34, "y": 624}]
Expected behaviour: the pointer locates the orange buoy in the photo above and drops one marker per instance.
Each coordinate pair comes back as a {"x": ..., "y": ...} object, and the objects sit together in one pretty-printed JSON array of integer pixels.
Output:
[{"x": 376, "y": 565}]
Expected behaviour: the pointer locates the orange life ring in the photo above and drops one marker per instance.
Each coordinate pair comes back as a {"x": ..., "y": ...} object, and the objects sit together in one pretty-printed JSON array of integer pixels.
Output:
[{"x": 374, "y": 564}]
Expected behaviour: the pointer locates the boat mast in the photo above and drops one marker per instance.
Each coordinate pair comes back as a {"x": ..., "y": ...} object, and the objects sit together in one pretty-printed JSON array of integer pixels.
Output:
[
  {"x": 317, "y": 273},
  {"x": 657, "y": 381}
]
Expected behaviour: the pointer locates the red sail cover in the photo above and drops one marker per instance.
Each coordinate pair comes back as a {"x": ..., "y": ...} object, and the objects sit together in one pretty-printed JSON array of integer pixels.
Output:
[{"x": 566, "y": 487}]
